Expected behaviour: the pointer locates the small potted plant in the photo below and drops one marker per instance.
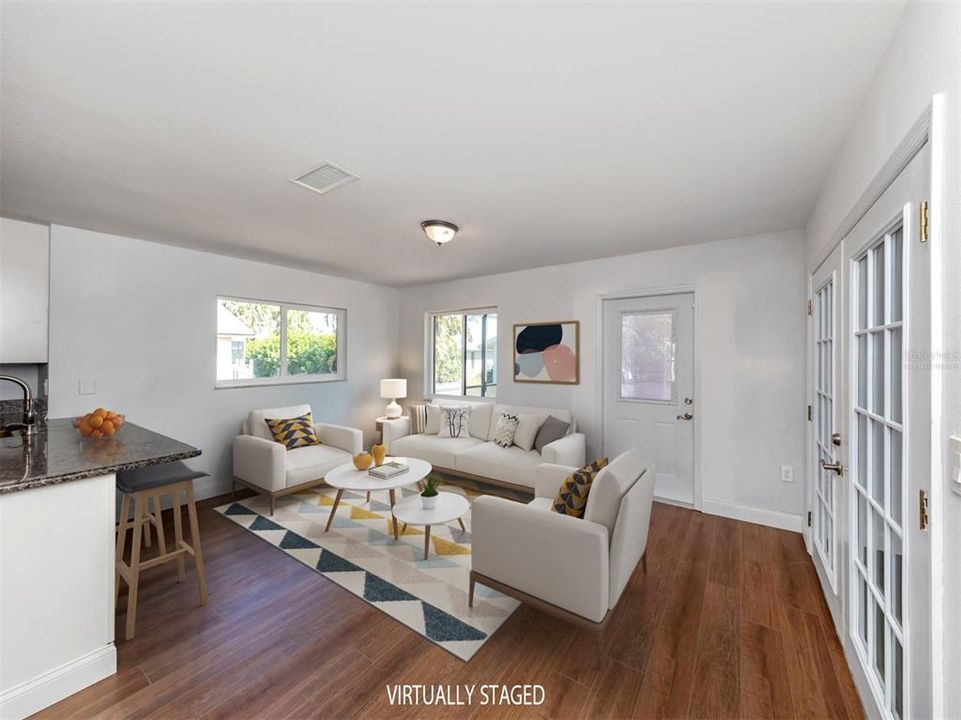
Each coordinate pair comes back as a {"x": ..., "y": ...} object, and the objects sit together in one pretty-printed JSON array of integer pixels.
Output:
[{"x": 428, "y": 494}]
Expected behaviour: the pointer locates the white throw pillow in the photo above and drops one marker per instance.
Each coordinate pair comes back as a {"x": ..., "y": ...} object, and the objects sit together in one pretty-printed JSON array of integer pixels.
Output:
[
  {"x": 506, "y": 425},
  {"x": 433, "y": 420},
  {"x": 454, "y": 421},
  {"x": 526, "y": 432}
]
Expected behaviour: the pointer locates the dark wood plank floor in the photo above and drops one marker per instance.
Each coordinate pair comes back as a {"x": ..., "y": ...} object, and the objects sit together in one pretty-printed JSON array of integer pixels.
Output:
[{"x": 729, "y": 622}]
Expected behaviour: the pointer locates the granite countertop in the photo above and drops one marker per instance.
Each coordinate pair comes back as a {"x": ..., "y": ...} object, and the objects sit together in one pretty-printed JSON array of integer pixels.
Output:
[{"x": 57, "y": 454}]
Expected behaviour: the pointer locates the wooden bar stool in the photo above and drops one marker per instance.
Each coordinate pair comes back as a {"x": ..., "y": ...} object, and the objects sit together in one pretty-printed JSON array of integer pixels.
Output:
[{"x": 146, "y": 487}]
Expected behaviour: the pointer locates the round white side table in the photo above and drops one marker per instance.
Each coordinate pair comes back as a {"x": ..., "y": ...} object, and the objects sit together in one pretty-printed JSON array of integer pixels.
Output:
[{"x": 450, "y": 506}]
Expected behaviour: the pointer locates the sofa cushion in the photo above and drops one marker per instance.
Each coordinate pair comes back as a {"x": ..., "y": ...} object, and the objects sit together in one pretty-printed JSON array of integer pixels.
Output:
[
  {"x": 571, "y": 498},
  {"x": 454, "y": 421},
  {"x": 255, "y": 419},
  {"x": 313, "y": 462},
  {"x": 552, "y": 429},
  {"x": 526, "y": 432},
  {"x": 509, "y": 464},
  {"x": 560, "y": 414},
  {"x": 436, "y": 450},
  {"x": 432, "y": 427},
  {"x": 418, "y": 418},
  {"x": 611, "y": 484},
  {"x": 480, "y": 417},
  {"x": 293, "y": 432},
  {"x": 506, "y": 428}
]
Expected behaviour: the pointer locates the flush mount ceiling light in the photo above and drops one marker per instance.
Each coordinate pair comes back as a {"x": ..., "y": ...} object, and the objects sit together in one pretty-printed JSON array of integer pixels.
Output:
[{"x": 439, "y": 231}]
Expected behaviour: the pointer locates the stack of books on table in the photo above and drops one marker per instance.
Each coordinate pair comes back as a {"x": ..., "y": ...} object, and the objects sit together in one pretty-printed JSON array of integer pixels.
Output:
[{"x": 388, "y": 470}]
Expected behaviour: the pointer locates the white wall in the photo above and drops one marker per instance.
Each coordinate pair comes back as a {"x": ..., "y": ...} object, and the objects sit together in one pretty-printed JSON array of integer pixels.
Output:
[
  {"x": 752, "y": 353},
  {"x": 140, "y": 319},
  {"x": 924, "y": 59}
]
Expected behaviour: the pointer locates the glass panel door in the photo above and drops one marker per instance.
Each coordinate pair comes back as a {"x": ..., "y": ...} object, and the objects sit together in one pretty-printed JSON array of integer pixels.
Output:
[
  {"x": 878, "y": 472},
  {"x": 825, "y": 491}
]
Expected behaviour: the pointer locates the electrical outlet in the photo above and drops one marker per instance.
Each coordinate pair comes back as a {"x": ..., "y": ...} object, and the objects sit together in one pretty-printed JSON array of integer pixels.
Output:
[
  {"x": 787, "y": 473},
  {"x": 87, "y": 386}
]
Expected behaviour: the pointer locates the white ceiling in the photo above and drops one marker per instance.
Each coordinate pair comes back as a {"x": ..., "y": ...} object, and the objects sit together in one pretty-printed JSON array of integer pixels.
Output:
[{"x": 549, "y": 133}]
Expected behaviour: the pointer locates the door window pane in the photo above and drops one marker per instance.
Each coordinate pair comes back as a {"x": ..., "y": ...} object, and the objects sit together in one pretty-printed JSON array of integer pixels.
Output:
[
  {"x": 896, "y": 365},
  {"x": 647, "y": 356},
  {"x": 862, "y": 530},
  {"x": 861, "y": 278},
  {"x": 877, "y": 295},
  {"x": 879, "y": 638},
  {"x": 894, "y": 470},
  {"x": 877, "y": 365},
  {"x": 862, "y": 366},
  {"x": 877, "y": 461},
  {"x": 861, "y": 472},
  {"x": 896, "y": 279},
  {"x": 896, "y": 552}
]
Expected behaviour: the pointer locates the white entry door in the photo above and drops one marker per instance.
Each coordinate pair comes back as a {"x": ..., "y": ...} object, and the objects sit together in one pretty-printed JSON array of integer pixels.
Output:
[
  {"x": 826, "y": 498},
  {"x": 889, "y": 420},
  {"x": 648, "y": 361}
]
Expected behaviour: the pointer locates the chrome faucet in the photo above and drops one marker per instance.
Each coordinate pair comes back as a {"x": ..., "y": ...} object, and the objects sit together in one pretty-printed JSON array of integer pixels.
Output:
[{"x": 28, "y": 426}]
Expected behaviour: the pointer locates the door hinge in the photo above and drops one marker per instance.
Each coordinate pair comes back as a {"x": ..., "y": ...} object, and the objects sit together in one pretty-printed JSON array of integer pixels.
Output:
[
  {"x": 809, "y": 518},
  {"x": 923, "y": 518},
  {"x": 810, "y": 414},
  {"x": 924, "y": 232},
  {"x": 810, "y": 307}
]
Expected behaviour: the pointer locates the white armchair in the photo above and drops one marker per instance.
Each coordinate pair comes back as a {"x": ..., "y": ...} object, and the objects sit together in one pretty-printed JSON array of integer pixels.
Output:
[
  {"x": 576, "y": 568},
  {"x": 267, "y": 467}
]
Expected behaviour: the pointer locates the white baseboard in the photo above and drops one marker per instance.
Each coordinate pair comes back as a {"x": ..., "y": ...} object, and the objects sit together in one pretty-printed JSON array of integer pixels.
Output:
[
  {"x": 54, "y": 685},
  {"x": 772, "y": 518}
]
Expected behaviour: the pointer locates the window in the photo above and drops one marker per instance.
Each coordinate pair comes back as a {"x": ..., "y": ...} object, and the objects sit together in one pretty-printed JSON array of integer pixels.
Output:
[
  {"x": 464, "y": 352},
  {"x": 647, "y": 356},
  {"x": 264, "y": 342}
]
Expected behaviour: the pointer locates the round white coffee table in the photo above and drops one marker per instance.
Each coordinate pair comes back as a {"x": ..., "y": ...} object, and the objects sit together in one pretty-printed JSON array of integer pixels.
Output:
[
  {"x": 347, "y": 477},
  {"x": 450, "y": 506}
]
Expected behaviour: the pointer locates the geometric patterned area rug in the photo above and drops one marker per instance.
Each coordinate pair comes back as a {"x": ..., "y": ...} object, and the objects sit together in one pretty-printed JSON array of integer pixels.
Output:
[{"x": 360, "y": 554}]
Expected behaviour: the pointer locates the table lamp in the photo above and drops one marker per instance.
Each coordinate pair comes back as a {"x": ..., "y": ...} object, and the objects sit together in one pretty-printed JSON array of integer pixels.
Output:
[{"x": 392, "y": 389}]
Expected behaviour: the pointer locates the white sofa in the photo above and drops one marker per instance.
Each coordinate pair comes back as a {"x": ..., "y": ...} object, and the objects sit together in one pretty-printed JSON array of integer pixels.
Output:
[
  {"x": 573, "y": 567},
  {"x": 476, "y": 455},
  {"x": 267, "y": 467}
]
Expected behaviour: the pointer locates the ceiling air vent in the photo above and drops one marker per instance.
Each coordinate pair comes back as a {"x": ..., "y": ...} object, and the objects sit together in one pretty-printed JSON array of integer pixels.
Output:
[{"x": 324, "y": 178}]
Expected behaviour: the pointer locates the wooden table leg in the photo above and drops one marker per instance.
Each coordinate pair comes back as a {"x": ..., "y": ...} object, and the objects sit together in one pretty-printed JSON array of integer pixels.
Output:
[
  {"x": 426, "y": 541},
  {"x": 461, "y": 521},
  {"x": 330, "y": 518},
  {"x": 392, "y": 496}
]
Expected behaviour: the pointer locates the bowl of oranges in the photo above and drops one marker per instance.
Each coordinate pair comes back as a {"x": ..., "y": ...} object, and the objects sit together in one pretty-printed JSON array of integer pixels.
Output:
[{"x": 98, "y": 424}]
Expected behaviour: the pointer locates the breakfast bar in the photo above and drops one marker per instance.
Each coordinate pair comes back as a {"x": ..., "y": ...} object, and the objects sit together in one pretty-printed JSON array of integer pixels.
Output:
[{"x": 57, "y": 556}]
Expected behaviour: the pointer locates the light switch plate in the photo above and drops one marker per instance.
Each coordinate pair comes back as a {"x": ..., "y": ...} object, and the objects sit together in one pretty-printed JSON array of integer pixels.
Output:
[
  {"x": 87, "y": 386},
  {"x": 954, "y": 453},
  {"x": 787, "y": 473}
]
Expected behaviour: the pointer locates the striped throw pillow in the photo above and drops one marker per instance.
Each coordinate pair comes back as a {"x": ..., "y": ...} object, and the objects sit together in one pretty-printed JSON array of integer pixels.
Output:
[
  {"x": 294, "y": 432},
  {"x": 506, "y": 426},
  {"x": 571, "y": 497},
  {"x": 418, "y": 418}
]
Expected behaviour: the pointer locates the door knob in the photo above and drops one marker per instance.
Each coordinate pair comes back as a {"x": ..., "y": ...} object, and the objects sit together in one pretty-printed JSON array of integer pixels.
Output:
[
  {"x": 688, "y": 401},
  {"x": 685, "y": 416},
  {"x": 836, "y": 467}
]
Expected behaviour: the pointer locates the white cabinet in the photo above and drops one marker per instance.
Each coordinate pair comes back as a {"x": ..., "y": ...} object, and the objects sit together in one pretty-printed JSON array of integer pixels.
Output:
[{"x": 24, "y": 291}]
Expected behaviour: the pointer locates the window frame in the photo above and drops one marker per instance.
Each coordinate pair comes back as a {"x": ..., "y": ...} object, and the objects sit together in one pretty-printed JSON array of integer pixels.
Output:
[
  {"x": 282, "y": 377},
  {"x": 483, "y": 312}
]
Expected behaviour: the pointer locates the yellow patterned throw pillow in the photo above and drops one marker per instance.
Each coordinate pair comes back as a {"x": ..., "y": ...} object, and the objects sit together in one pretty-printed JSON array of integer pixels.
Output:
[
  {"x": 294, "y": 432},
  {"x": 572, "y": 495}
]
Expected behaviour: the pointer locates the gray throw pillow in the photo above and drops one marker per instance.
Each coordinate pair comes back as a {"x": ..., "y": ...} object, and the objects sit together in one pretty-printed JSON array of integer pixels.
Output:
[{"x": 552, "y": 429}]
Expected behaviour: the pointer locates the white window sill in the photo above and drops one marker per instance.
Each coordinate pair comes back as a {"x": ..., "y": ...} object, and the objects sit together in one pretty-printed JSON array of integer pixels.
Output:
[{"x": 269, "y": 382}]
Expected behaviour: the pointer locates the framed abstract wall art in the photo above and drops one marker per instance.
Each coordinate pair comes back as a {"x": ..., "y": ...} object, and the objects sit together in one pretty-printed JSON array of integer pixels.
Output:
[{"x": 547, "y": 352}]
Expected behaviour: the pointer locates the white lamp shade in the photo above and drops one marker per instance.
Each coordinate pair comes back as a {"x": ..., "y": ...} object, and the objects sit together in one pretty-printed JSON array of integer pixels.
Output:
[{"x": 393, "y": 388}]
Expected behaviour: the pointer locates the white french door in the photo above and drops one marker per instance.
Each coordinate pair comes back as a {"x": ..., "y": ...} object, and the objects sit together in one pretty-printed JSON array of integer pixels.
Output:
[
  {"x": 888, "y": 414},
  {"x": 826, "y": 500},
  {"x": 648, "y": 393}
]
